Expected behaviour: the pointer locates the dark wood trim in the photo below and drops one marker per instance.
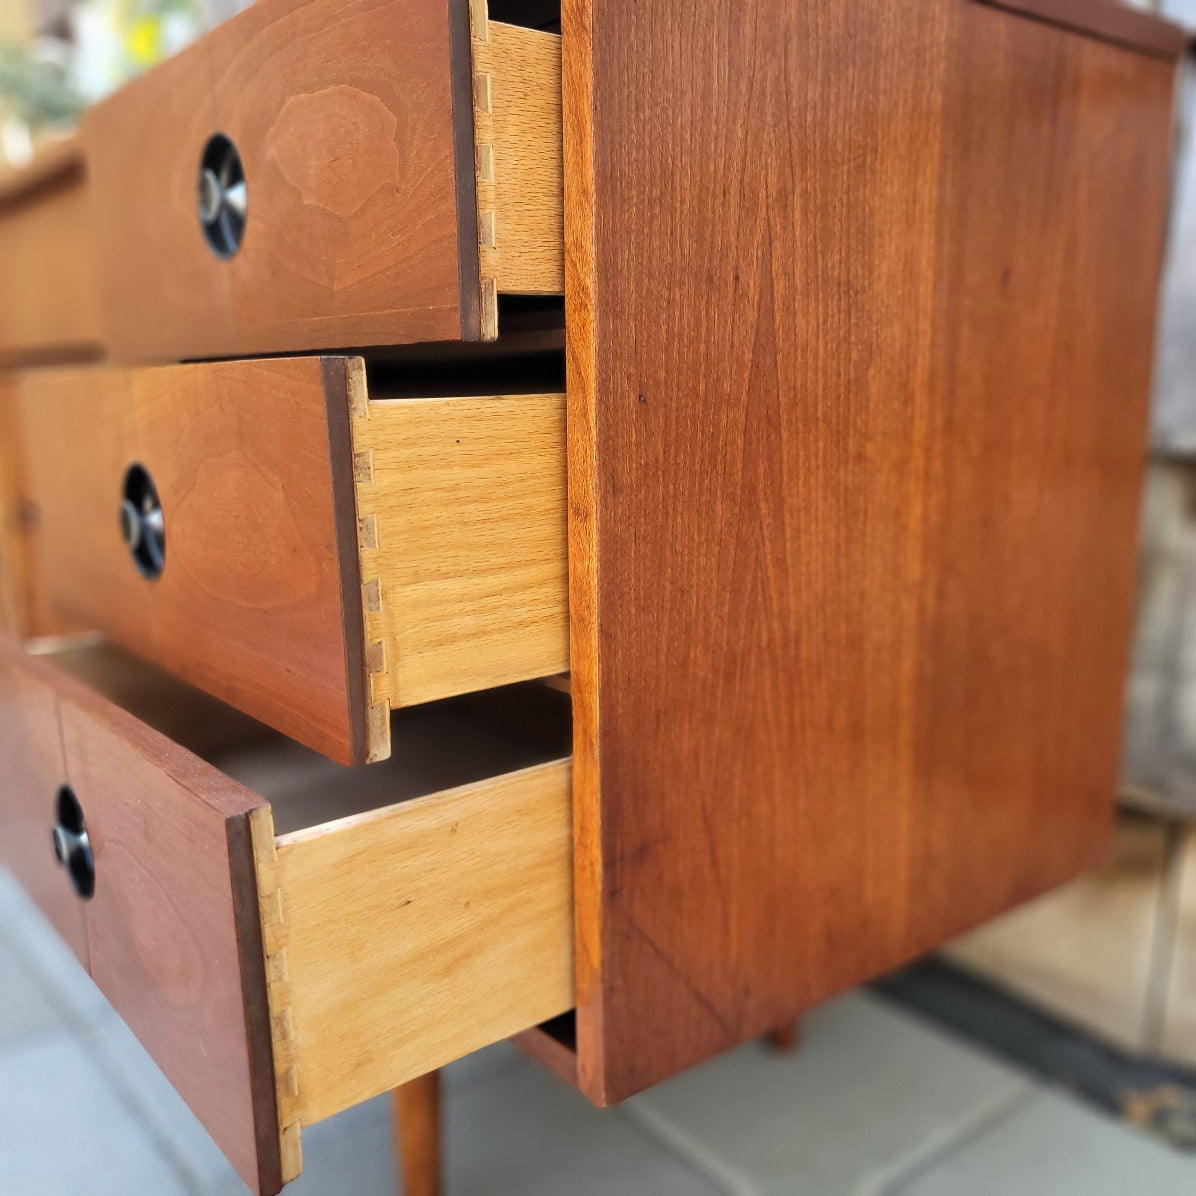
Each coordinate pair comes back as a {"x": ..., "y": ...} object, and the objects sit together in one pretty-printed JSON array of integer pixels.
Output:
[
  {"x": 344, "y": 515},
  {"x": 464, "y": 165},
  {"x": 1106, "y": 20}
]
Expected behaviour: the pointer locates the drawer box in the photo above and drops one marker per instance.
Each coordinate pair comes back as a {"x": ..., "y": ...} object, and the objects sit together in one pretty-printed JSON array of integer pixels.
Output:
[
  {"x": 329, "y": 555},
  {"x": 379, "y": 207},
  {"x": 284, "y": 959}
]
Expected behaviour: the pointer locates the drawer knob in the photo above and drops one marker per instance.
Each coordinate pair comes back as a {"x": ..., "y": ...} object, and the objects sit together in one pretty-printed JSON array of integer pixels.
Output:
[
  {"x": 223, "y": 198},
  {"x": 142, "y": 523},
  {"x": 72, "y": 845}
]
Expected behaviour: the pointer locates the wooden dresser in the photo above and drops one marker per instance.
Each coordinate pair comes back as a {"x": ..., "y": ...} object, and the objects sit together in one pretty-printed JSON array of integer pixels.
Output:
[{"x": 592, "y": 521}]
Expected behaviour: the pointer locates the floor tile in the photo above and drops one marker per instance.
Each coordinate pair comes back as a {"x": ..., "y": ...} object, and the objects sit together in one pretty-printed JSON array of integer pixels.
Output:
[
  {"x": 166, "y": 1118},
  {"x": 525, "y": 1133},
  {"x": 25, "y": 1006},
  {"x": 869, "y": 1085},
  {"x": 1052, "y": 1146},
  {"x": 64, "y": 1129}
]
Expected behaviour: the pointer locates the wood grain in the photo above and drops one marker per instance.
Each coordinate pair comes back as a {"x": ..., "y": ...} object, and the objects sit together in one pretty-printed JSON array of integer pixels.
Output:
[
  {"x": 352, "y": 236},
  {"x": 1110, "y": 20},
  {"x": 34, "y": 769},
  {"x": 861, "y": 390},
  {"x": 463, "y": 544},
  {"x": 165, "y": 934},
  {"x": 76, "y": 442},
  {"x": 251, "y": 604},
  {"x": 49, "y": 303},
  {"x": 474, "y": 889},
  {"x": 517, "y": 93},
  {"x": 178, "y": 964},
  {"x": 164, "y": 294}
]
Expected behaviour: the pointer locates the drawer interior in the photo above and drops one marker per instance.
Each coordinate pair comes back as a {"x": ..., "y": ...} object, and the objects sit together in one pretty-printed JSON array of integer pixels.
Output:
[{"x": 411, "y": 911}]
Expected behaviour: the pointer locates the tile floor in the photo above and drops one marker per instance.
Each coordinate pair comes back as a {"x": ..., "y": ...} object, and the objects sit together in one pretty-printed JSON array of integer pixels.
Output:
[{"x": 876, "y": 1103}]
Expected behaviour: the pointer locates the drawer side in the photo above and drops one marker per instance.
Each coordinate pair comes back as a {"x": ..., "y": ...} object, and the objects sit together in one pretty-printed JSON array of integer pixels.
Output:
[
  {"x": 405, "y": 938},
  {"x": 462, "y": 520}
]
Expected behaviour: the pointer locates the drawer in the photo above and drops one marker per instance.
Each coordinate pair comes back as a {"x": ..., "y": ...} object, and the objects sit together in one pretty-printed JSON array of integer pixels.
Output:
[
  {"x": 287, "y": 950},
  {"x": 356, "y": 194},
  {"x": 312, "y": 553},
  {"x": 49, "y": 301}
]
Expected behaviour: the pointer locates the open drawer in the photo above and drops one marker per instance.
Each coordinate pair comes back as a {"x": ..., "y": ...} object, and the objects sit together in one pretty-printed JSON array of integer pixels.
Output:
[
  {"x": 311, "y": 549},
  {"x": 321, "y": 174},
  {"x": 288, "y": 937}
]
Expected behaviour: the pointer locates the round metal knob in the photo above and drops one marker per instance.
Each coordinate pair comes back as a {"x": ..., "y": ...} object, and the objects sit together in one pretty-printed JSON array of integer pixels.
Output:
[
  {"x": 142, "y": 522},
  {"x": 223, "y": 197},
  {"x": 72, "y": 844}
]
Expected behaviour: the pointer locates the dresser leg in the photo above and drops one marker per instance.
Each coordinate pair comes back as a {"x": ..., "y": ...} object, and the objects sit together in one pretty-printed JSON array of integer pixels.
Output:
[
  {"x": 786, "y": 1036},
  {"x": 417, "y": 1134}
]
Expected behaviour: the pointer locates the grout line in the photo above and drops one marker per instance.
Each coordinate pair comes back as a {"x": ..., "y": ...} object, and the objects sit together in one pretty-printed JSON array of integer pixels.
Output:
[
  {"x": 91, "y": 1035},
  {"x": 890, "y": 1179},
  {"x": 687, "y": 1150}
]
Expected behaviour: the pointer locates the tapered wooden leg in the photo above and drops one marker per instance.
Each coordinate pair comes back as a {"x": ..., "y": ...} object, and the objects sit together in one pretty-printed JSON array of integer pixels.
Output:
[
  {"x": 417, "y": 1134},
  {"x": 786, "y": 1036}
]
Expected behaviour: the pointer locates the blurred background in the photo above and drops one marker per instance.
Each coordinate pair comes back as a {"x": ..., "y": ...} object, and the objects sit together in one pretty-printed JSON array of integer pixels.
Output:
[{"x": 1053, "y": 1051}]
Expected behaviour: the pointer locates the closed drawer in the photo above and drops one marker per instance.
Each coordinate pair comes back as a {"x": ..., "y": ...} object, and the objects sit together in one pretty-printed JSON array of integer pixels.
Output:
[
  {"x": 49, "y": 300},
  {"x": 289, "y": 950},
  {"x": 355, "y": 194},
  {"x": 309, "y": 553}
]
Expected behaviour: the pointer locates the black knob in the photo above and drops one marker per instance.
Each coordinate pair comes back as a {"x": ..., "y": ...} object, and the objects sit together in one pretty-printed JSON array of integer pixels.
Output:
[
  {"x": 223, "y": 198},
  {"x": 142, "y": 523},
  {"x": 72, "y": 844}
]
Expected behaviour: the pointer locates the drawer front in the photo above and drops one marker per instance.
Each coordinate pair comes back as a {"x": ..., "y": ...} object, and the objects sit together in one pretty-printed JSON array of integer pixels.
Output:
[
  {"x": 77, "y": 442},
  {"x": 352, "y": 129},
  {"x": 49, "y": 301},
  {"x": 326, "y": 557},
  {"x": 166, "y": 932},
  {"x": 278, "y": 979},
  {"x": 33, "y": 773}
]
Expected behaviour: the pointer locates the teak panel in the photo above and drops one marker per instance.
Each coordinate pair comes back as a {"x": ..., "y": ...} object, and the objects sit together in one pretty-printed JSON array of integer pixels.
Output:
[
  {"x": 76, "y": 442},
  {"x": 344, "y": 112},
  {"x": 420, "y": 932},
  {"x": 859, "y": 348},
  {"x": 1111, "y": 20},
  {"x": 463, "y": 549},
  {"x": 172, "y": 933},
  {"x": 34, "y": 770},
  {"x": 49, "y": 300},
  {"x": 259, "y": 602},
  {"x": 163, "y": 294}
]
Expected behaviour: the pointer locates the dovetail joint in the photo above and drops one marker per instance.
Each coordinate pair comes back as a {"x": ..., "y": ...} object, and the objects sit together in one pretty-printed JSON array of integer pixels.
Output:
[
  {"x": 372, "y": 597},
  {"x": 272, "y": 910},
  {"x": 487, "y": 183}
]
